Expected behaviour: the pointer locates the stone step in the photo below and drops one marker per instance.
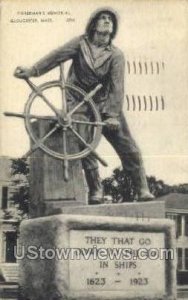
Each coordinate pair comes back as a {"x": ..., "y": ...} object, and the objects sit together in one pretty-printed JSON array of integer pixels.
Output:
[
  {"x": 9, "y": 291},
  {"x": 10, "y": 272}
]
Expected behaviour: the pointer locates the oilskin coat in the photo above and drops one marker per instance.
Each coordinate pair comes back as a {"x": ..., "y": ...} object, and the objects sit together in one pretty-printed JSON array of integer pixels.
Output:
[{"x": 86, "y": 73}]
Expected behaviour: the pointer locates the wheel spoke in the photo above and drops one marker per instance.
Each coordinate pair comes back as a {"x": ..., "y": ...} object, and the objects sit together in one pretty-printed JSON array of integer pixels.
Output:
[
  {"x": 40, "y": 94},
  {"x": 88, "y": 122},
  {"x": 87, "y": 98},
  {"x": 75, "y": 108},
  {"x": 65, "y": 162},
  {"x": 40, "y": 141},
  {"x": 62, "y": 82},
  {"x": 66, "y": 167},
  {"x": 11, "y": 114},
  {"x": 65, "y": 142},
  {"x": 64, "y": 102},
  {"x": 23, "y": 116},
  {"x": 49, "y": 104},
  {"x": 103, "y": 162},
  {"x": 92, "y": 93},
  {"x": 50, "y": 118},
  {"x": 79, "y": 137}
]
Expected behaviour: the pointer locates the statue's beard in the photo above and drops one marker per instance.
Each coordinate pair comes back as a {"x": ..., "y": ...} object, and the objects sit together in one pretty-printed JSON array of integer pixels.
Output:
[{"x": 104, "y": 31}]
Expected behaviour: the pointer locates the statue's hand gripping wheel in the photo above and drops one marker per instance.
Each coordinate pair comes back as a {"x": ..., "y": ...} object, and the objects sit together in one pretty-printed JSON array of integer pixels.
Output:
[{"x": 63, "y": 120}]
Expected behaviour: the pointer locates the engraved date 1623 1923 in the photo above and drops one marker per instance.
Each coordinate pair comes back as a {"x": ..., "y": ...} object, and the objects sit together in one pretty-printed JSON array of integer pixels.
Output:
[
  {"x": 139, "y": 281},
  {"x": 96, "y": 281},
  {"x": 102, "y": 281}
]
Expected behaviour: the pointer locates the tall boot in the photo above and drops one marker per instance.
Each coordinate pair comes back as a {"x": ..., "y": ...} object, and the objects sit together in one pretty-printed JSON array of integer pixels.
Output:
[
  {"x": 95, "y": 187},
  {"x": 142, "y": 189}
]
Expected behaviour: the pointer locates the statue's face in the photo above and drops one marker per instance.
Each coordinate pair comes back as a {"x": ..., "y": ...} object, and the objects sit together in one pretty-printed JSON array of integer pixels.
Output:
[{"x": 104, "y": 23}]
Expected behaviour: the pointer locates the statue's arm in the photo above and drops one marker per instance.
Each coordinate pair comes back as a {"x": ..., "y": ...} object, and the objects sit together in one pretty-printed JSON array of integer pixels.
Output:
[
  {"x": 116, "y": 86},
  {"x": 50, "y": 61}
]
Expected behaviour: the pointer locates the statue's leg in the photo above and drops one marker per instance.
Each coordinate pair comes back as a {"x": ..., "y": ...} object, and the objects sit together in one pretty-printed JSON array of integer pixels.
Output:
[
  {"x": 90, "y": 166},
  {"x": 130, "y": 156},
  {"x": 90, "y": 163}
]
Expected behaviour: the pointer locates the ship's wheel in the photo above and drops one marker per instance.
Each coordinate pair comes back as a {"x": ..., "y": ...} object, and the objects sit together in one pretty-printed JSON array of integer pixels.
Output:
[{"x": 64, "y": 120}]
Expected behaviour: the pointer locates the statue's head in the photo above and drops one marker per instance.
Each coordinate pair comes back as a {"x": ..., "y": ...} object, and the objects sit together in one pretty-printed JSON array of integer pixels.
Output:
[{"x": 103, "y": 20}]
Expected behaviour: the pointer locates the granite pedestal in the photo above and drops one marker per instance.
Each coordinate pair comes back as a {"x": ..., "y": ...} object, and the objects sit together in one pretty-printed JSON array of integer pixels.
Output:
[{"x": 61, "y": 258}]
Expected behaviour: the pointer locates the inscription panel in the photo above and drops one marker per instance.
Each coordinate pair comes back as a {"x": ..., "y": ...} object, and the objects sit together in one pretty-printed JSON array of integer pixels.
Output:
[{"x": 117, "y": 261}]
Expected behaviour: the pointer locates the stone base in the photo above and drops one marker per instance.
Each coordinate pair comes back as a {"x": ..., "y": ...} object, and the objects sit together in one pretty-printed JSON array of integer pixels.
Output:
[
  {"x": 48, "y": 187},
  {"x": 42, "y": 277},
  {"x": 153, "y": 209}
]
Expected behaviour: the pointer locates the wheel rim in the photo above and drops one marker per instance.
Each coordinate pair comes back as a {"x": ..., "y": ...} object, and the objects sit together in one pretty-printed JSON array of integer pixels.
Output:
[{"x": 96, "y": 135}]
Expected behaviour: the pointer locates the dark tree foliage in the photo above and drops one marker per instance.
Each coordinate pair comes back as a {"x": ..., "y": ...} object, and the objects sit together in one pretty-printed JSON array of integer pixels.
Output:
[
  {"x": 19, "y": 166},
  {"x": 20, "y": 184},
  {"x": 181, "y": 188},
  {"x": 121, "y": 188},
  {"x": 157, "y": 187}
]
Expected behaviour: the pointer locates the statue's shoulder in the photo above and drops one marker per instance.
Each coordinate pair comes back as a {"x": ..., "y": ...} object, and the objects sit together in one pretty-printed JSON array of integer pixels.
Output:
[{"x": 117, "y": 52}]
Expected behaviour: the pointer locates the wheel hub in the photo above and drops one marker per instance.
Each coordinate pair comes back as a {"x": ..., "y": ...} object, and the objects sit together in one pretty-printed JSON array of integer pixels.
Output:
[{"x": 64, "y": 121}]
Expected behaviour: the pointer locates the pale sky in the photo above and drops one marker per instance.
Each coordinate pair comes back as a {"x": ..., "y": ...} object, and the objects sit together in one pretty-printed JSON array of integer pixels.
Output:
[{"x": 148, "y": 31}]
